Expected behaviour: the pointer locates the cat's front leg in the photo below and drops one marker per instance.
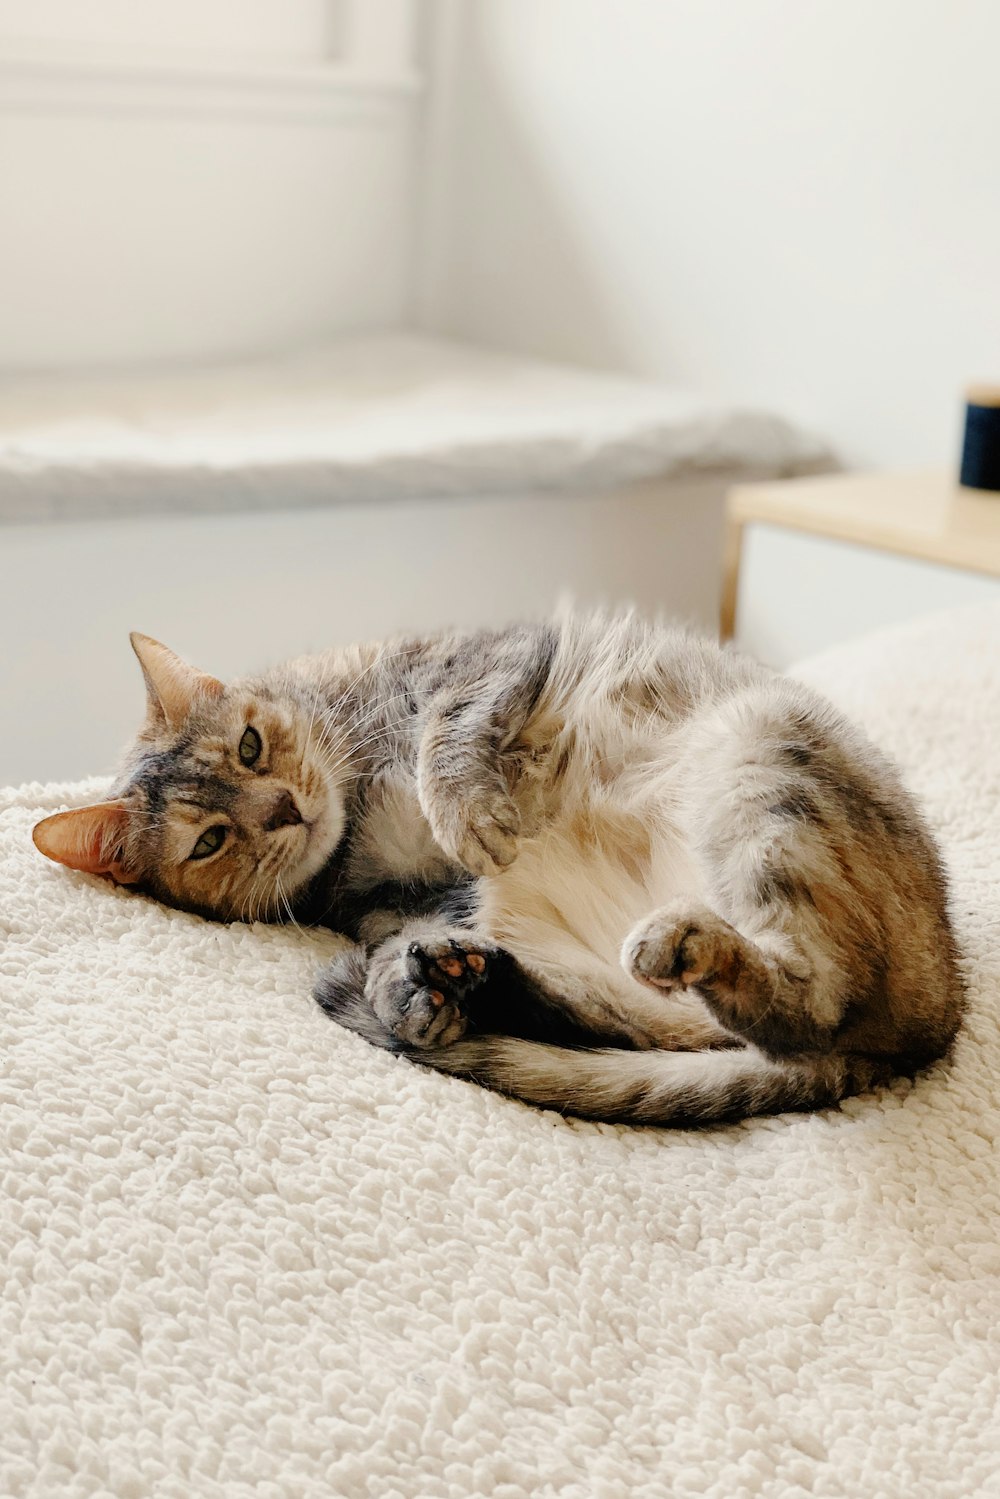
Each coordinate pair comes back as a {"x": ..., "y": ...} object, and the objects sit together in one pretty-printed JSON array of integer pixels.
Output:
[
  {"x": 478, "y": 828},
  {"x": 468, "y": 764},
  {"x": 464, "y": 793}
]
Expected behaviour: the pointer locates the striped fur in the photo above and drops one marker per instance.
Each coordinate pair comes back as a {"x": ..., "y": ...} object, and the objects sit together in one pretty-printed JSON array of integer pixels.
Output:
[{"x": 602, "y": 866}]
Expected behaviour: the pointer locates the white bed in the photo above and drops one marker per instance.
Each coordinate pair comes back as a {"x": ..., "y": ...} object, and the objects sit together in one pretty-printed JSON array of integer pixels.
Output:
[{"x": 246, "y": 1256}]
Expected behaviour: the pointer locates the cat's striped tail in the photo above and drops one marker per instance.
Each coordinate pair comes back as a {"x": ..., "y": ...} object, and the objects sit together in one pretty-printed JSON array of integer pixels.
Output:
[
  {"x": 639, "y": 1087},
  {"x": 654, "y": 1087}
]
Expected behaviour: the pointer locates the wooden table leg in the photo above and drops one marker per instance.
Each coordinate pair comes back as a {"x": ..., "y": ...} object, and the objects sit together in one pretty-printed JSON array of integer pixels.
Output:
[{"x": 730, "y": 578}]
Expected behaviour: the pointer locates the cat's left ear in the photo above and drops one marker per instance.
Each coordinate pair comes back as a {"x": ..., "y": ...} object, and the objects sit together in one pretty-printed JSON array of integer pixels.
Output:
[
  {"x": 172, "y": 686},
  {"x": 91, "y": 839}
]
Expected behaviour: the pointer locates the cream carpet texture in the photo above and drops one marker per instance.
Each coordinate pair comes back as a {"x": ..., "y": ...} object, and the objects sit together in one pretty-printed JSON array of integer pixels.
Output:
[{"x": 244, "y": 1255}]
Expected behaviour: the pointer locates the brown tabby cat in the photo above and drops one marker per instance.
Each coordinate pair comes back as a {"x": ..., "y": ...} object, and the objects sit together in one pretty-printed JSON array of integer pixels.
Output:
[{"x": 604, "y": 867}]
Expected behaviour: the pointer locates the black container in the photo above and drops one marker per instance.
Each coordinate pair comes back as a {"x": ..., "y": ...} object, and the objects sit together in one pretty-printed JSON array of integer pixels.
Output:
[{"x": 981, "y": 447}]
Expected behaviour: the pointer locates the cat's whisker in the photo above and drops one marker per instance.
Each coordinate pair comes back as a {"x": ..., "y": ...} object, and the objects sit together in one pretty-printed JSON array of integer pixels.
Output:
[
  {"x": 349, "y": 754},
  {"x": 328, "y": 718},
  {"x": 359, "y": 721},
  {"x": 362, "y": 708},
  {"x": 383, "y": 656},
  {"x": 338, "y": 754},
  {"x": 308, "y": 733},
  {"x": 283, "y": 898},
  {"x": 354, "y": 749},
  {"x": 363, "y": 713}
]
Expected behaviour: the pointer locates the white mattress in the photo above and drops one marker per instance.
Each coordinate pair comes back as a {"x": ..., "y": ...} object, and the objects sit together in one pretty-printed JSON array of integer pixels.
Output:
[
  {"x": 374, "y": 418},
  {"x": 245, "y": 1255}
]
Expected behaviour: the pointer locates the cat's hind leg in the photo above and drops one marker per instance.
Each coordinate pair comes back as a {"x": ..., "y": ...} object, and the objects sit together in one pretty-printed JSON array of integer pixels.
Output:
[
  {"x": 753, "y": 993},
  {"x": 794, "y": 855},
  {"x": 433, "y": 981},
  {"x": 340, "y": 992}
]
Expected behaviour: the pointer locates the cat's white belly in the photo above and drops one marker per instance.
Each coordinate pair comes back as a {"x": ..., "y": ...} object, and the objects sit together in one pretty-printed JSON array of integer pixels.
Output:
[
  {"x": 565, "y": 906},
  {"x": 585, "y": 881}
]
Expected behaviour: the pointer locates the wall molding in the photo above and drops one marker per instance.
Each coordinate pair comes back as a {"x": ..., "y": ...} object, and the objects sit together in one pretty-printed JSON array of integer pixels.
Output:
[{"x": 41, "y": 79}]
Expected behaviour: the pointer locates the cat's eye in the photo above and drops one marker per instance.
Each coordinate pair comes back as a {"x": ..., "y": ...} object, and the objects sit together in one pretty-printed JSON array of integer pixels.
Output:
[
  {"x": 250, "y": 746},
  {"x": 210, "y": 842}
]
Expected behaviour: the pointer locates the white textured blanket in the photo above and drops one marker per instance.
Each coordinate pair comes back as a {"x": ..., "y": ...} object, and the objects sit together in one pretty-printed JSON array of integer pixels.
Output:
[
  {"x": 245, "y": 1255},
  {"x": 370, "y": 418}
]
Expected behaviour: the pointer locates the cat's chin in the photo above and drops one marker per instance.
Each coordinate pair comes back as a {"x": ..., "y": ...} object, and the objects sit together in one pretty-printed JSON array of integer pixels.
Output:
[{"x": 322, "y": 832}]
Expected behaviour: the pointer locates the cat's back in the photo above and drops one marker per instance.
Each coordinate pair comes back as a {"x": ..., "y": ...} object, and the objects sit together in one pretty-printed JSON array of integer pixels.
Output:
[{"x": 615, "y": 674}]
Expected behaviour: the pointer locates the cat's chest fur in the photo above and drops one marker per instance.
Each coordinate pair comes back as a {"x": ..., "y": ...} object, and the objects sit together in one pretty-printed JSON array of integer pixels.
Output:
[{"x": 392, "y": 838}]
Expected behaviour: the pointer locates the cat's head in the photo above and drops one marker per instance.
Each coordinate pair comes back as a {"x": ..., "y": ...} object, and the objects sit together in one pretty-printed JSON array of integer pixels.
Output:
[{"x": 229, "y": 801}]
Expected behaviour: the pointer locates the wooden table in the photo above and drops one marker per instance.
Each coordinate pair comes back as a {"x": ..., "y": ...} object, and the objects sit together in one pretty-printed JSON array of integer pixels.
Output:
[{"x": 919, "y": 514}]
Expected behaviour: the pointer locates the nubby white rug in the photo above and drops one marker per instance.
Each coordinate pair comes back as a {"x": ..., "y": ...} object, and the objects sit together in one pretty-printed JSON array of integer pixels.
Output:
[{"x": 244, "y": 1255}]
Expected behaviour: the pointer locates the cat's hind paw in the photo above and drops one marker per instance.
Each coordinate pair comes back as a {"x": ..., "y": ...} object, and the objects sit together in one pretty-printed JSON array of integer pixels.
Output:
[
  {"x": 682, "y": 947},
  {"x": 449, "y": 966},
  {"x": 420, "y": 990}
]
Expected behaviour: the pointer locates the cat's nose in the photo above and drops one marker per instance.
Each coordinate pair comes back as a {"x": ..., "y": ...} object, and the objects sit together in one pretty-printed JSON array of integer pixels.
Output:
[{"x": 282, "y": 813}]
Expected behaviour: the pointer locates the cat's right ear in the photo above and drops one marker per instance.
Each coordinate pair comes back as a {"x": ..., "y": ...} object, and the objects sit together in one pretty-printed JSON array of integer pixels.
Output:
[
  {"x": 171, "y": 685},
  {"x": 91, "y": 839}
]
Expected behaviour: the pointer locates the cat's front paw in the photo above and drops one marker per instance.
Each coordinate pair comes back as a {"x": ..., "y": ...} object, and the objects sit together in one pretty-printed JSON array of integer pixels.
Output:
[
  {"x": 482, "y": 834},
  {"x": 420, "y": 990}
]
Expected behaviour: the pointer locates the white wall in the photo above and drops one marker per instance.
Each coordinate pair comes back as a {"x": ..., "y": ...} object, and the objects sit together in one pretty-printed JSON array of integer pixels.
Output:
[
  {"x": 190, "y": 179},
  {"x": 793, "y": 203},
  {"x": 788, "y": 203},
  {"x": 234, "y": 593}
]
